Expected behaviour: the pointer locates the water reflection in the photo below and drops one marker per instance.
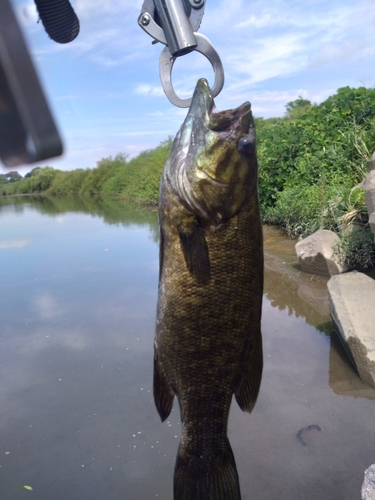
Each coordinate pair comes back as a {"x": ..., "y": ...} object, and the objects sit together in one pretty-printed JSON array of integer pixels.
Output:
[
  {"x": 343, "y": 377},
  {"x": 305, "y": 295},
  {"x": 77, "y": 309},
  {"x": 288, "y": 288},
  {"x": 112, "y": 210}
]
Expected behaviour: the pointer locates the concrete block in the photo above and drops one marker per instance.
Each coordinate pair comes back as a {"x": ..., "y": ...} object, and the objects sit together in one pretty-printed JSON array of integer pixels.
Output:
[
  {"x": 371, "y": 164},
  {"x": 368, "y": 486},
  {"x": 369, "y": 187},
  {"x": 372, "y": 224},
  {"x": 315, "y": 254},
  {"x": 351, "y": 299}
]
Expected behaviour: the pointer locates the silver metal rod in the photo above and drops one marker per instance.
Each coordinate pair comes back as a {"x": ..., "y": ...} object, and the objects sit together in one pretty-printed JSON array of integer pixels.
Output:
[{"x": 176, "y": 26}]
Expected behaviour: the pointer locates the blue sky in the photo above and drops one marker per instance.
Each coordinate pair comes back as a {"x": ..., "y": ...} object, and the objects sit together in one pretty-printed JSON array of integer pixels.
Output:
[{"x": 104, "y": 87}]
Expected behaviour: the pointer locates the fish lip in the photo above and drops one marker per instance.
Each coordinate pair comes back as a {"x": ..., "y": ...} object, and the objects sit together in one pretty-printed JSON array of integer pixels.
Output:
[
  {"x": 203, "y": 106},
  {"x": 202, "y": 103},
  {"x": 230, "y": 120}
]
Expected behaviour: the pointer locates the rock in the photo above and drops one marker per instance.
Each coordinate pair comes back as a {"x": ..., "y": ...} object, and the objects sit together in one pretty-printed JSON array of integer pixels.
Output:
[
  {"x": 368, "y": 486},
  {"x": 371, "y": 165},
  {"x": 372, "y": 224},
  {"x": 351, "y": 298},
  {"x": 315, "y": 254},
  {"x": 343, "y": 377},
  {"x": 369, "y": 187}
]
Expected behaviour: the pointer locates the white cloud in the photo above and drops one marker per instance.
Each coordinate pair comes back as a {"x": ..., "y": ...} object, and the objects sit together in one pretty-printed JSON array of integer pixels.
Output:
[
  {"x": 26, "y": 13},
  {"x": 90, "y": 8},
  {"x": 286, "y": 39},
  {"x": 332, "y": 53},
  {"x": 268, "y": 104},
  {"x": 273, "y": 56},
  {"x": 261, "y": 21},
  {"x": 10, "y": 244},
  {"x": 47, "y": 306},
  {"x": 149, "y": 90}
]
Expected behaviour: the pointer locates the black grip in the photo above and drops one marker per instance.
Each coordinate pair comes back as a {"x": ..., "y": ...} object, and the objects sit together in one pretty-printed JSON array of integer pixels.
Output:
[{"x": 59, "y": 19}]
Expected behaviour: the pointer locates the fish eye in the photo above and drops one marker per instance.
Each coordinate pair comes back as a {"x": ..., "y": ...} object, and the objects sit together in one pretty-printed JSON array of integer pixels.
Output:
[{"x": 246, "y": 145}]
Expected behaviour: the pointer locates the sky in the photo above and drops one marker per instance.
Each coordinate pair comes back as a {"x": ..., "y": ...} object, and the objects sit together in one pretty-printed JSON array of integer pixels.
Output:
[{"x": 104, "y": 88}]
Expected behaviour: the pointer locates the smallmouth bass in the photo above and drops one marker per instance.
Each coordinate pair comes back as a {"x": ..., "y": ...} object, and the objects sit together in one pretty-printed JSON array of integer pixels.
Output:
[{"x": 208, "y": 343}]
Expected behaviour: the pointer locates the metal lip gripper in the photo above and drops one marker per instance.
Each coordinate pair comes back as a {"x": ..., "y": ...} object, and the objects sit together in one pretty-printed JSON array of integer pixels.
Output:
[{"x": 175, "y": 23}]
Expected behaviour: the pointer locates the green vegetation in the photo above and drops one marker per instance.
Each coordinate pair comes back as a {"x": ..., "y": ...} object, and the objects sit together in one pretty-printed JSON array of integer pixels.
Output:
[
  {"x": 326, "y": 145},
  {"x": 356, "y": 248},
  {"x": 136, "y": 180},
  {"x": 310, "y": 162}
]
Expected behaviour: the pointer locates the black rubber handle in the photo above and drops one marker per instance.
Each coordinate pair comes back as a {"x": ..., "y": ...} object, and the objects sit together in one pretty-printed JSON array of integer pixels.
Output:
[{"x": 59, "y": 19}]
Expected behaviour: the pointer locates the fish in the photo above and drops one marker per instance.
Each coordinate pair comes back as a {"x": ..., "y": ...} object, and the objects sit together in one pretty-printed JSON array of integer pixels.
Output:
[{"x": 208, "y": 343}]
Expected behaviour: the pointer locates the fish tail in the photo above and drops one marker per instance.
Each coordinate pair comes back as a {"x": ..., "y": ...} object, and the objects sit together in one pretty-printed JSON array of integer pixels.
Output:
[{"x": 198, "y": 479}]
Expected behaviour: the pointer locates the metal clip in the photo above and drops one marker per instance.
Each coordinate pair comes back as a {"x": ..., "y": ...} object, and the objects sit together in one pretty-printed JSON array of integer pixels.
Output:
[{"x": 179, "y": 21}]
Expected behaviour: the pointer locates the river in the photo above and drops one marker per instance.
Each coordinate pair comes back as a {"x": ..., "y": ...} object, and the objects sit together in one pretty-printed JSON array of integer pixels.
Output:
[{"x": 78, "y": 290}]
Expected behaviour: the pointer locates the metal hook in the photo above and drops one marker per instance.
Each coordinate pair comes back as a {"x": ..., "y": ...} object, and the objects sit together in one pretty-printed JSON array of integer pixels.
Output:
[
  {"x": 167, "y": 61},
  {"x": 180, "y": 19}
]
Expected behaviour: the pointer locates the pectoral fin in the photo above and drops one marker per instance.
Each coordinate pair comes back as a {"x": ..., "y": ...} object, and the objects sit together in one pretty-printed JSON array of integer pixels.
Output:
[
  {"x": 195, "y": 249},
  {"x": 163, "y": 393},
  {"x": 248, "y": 389}
]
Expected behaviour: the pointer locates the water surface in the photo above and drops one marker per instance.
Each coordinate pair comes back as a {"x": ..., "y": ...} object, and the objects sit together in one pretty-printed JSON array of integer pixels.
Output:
[{"x": 78, "y": 290}]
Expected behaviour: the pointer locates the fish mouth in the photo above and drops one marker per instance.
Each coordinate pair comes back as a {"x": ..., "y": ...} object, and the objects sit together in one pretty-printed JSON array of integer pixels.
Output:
[
  {"x": 205, "y": 161},
  {"x": 203, "y": 105}
]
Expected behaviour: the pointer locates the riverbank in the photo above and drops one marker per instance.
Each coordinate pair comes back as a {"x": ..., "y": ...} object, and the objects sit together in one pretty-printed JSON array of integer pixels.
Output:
[{"x": 351, "y": 294}]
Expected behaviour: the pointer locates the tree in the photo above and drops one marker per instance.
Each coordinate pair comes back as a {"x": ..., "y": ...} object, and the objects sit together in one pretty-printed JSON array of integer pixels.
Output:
[
  {"x": 33, "y": 172},
  {"x": 13, "y": 176},
  {"x": 296, "y": 108},
  {"x": 43, "y": 178}
]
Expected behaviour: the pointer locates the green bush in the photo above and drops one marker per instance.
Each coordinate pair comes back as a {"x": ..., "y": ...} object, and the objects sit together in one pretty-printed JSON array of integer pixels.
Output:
[
  {"x": 327, "y": 143},
  {"x": 356, "y": 248},
  {"x": 139, "y": 179},
  {"x": 136, "y": 180},
  {"x": 298, "y": 210},
  {"x": 37, "y": 183},
  {"x": 346, "y": 207},
  {"x": 310, "y": 161},
  {"x": 68, "y": 183},
  {"x": 105, "y": 170}
]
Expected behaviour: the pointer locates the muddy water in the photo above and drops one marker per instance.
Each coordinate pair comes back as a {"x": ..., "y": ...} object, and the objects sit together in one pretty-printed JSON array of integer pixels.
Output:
[{"x": 78, "y": 287}]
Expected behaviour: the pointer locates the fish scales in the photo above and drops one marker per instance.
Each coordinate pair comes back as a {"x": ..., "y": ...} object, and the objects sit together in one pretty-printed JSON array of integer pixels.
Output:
[{"x": 208, "y": 340}]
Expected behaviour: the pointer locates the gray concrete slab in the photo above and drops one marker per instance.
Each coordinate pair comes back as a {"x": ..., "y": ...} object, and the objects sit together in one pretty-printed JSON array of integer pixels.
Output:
[
  {"x": 372, "y": 224},
  {"x": 371, "y": 164},
  {"x": 368, "y": 486},
  {"x": 351, "y": 299},
  {"x": 369, "y": 187},
  {"x": 316, "y": 256}
]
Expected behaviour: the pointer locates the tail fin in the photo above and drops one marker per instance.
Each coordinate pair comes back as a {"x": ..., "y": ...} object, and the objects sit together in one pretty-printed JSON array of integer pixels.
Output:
[{"x": 198, "y": 479}]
